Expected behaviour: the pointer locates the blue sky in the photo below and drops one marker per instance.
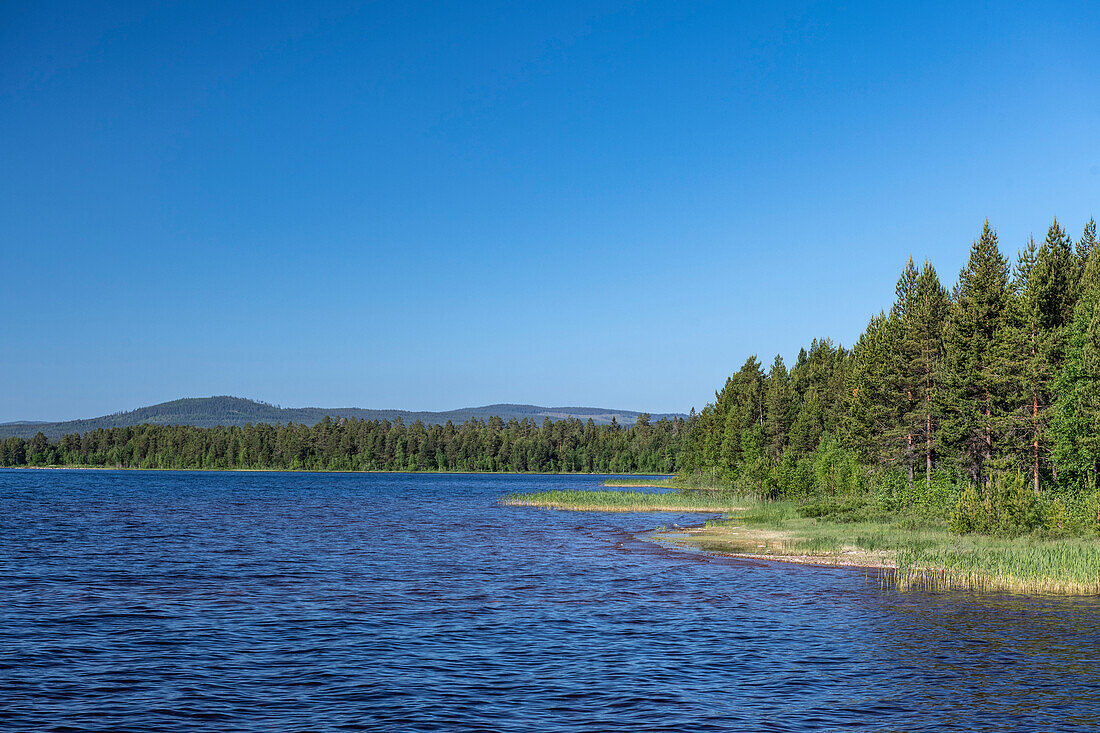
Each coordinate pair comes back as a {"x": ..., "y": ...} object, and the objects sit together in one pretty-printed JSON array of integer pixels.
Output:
[{"x": 434, "y": 206}]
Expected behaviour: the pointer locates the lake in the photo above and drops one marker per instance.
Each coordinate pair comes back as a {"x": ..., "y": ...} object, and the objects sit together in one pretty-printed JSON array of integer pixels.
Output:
[{"x": 173, "y": 601}]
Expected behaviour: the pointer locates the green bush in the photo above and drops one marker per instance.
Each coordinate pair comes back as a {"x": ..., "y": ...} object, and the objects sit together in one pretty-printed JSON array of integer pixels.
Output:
[
  {"x": 842, "y": 511},
  {"x": 836, "y": 471},
  {"x": 1006, "y": 506}
]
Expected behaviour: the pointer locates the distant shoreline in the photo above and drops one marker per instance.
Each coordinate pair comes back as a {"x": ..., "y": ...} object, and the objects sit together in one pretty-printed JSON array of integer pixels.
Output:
[{"x": 322, "y": 470}]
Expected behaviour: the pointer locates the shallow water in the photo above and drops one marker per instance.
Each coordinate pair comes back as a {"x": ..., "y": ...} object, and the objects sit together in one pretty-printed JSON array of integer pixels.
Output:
[{"x": 157, "y": 601}]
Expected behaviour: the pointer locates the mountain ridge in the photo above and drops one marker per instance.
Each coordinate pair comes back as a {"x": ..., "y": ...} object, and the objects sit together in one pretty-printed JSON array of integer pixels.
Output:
[{"x": 224, "y": 410}]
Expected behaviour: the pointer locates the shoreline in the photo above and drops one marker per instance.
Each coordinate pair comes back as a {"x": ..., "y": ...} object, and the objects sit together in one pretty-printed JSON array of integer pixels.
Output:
[
  {"x": 850, "y": 557},
  {"x": 672, "y": 508},
  {"x": 913, "y": 553},
  {"x": 316, "y": 470}
]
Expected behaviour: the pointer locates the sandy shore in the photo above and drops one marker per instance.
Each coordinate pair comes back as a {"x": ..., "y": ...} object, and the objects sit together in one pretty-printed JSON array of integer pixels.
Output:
[{"x": 767, "y": 544}]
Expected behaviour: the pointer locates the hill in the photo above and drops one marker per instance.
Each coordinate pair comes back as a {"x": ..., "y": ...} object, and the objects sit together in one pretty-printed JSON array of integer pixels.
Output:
[{"x": 208, "y": 412}]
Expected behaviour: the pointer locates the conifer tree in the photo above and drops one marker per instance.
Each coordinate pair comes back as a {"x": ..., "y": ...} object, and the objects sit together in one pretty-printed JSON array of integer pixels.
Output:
[
  {"x": 818, "y": 381},
  {"x": 904, "y": 353},
  {"x": 1086, "y": 244},
  {"x": 741, "y": 403},
  {"x": 1045, "y": 285},
  {"x": 1076, "y": 422},
  {"x": 873, "y": 400},
  {"x": 777, "y": 408},
  {"x": 924, "y": 324},
  {"x": 972, "y": 404}
]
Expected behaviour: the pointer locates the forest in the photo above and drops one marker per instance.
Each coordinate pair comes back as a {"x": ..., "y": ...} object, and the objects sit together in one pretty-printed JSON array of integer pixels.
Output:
[
  {"x": 349, "y": 444},
  {"x": 979, "y": 404},
  {"x": 982, "y": 402}
]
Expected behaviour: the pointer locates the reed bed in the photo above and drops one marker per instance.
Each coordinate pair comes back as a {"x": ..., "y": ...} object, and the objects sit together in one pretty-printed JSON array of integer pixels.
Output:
[
  {"x": 1063, "y": 567},
  {"x": 638, "y": 483},
  {"x": 625, "y": 501},
  {"x": 923, "y": 555}
]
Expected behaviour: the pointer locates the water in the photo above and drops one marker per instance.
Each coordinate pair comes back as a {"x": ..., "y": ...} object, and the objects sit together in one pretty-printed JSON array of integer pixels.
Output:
[{"x": 136, "y": 601}]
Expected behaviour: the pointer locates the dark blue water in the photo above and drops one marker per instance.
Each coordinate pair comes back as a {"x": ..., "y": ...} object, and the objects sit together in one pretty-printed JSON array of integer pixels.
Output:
[{"x": 136, "y": 601}]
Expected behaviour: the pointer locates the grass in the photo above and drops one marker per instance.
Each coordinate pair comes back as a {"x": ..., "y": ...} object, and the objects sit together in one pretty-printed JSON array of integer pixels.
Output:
[
  {"x": 915, "y": 550},
  {"x": 1023, "y": 565},
  {"x": 638, "y": 482},
  {"x": 626, "y": 501},
  {"x": 923, "y": 554}
]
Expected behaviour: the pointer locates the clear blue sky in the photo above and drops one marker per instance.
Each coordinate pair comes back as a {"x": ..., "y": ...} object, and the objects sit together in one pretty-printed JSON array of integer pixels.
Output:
[{"x": 434, "y": 206}]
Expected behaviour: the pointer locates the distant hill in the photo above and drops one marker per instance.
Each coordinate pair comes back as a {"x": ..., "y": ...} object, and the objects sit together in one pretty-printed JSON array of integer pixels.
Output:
[{"x": 208, "y": 412}]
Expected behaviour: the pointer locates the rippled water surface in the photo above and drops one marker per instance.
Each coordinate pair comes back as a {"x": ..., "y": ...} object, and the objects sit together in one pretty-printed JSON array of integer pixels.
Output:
[{"x": 155, "y": 601}]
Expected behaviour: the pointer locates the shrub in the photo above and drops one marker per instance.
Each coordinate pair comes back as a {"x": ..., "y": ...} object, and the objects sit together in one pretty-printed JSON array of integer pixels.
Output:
[{"x": 1005, "y": 506}]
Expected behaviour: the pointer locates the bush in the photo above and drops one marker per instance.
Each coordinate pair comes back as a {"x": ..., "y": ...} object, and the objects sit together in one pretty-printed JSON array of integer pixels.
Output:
[
  {"x": 1005, "y": 506},
  {"x": 841, "y": 511},
  {"x": 836, "y": 471}
]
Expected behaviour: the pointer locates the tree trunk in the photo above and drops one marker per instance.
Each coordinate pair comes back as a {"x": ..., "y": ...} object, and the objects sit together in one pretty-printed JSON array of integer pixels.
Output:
[
  {"x": 1035, "y": 444},
  {"x": 928, "y": 450},
  {"x": 988, "y": 452},
  {"x": 927, "y": 421},
  {"x": 909, "y": 439}
]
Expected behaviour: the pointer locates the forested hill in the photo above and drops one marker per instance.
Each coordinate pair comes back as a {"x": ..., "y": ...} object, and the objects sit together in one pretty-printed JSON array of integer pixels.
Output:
[{"x": 209, "y": 412}]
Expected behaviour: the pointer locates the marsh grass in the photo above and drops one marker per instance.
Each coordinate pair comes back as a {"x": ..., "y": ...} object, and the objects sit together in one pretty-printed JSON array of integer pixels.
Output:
[
  {"x": 626, "y": 501},
  {"x": 917, "y": 551},
  {"x": 1020, "y": 565},
  {"x": 639, "y": 482},
  {"x": 923, "y": 553}
]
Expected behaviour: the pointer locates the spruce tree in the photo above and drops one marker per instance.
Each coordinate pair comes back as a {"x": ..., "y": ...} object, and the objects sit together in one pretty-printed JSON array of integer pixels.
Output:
[
  {"x": 972, "y": 402},
  {"x": 1075, "y": 426},
  {"x": 1086, "y": 244},
  {"x": 741, "y": 405},
  {"x": 818, "y": 381},
  {"x": 872, "y": 401},
  {"x": 777, "y": 409}
]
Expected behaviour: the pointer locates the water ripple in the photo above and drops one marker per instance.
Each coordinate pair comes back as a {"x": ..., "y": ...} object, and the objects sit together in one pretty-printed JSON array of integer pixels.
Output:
[{"x": 256, "y": 602}]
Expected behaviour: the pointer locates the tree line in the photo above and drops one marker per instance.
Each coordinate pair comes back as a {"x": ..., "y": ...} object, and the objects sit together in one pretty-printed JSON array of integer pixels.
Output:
[
  {"x": 996, "y": 381},
  {"x": 348, "y": 444}
]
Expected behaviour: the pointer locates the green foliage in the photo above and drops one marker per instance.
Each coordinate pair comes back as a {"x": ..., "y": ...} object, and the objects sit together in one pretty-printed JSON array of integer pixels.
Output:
[
  {"x": 1007, "y": 506},
  {"x": 566, "y": 446},
  {"x": 991, "y": 396}
]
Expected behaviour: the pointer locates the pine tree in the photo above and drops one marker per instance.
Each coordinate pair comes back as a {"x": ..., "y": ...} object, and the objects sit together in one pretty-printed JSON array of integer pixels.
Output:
[
  {"x": 905, "y": 355},
  {"x": 923, "y": 334},
  {"x": 972, "y": 404},
  {"x": 1045, "y": 286}
]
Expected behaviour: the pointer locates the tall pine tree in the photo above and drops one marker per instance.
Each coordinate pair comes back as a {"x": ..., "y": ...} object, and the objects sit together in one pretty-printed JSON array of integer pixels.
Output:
[
  {"x": 924, "y": 320},
  {"x": 1045, "y": 287}
]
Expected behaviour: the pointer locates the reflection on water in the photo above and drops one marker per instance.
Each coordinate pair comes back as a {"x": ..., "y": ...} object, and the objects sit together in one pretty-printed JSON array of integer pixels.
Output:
[{"x": 176, "y": 601}]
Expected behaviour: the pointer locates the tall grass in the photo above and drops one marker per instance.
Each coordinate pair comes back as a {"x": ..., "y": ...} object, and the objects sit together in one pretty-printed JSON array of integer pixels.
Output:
[
  {"x": 625, "y": 501},
  {"x": 638, "y": 482},
  {"x": 847, "y": 531},
  {"x": 1024, "y": 565}
]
